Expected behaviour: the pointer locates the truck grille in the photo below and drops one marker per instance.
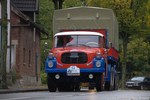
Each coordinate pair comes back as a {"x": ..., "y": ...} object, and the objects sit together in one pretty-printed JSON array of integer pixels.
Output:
[{"x": 74, "y": 58}]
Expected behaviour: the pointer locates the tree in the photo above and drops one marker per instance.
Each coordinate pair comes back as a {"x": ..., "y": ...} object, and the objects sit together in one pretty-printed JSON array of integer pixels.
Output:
[
  {"x": 127, "y": 26},
  {"x": 131, "y": 22},
  {"x": 72, "y": 3},
  {"x": 147, "y": 35},
  {"x": 3, "y": 83},
  {"x": 68, "y": 3},
  {"x": 45, "y": 19},
  {"x": 99, "y": 3},
  {"x": 137, "y": 58}
]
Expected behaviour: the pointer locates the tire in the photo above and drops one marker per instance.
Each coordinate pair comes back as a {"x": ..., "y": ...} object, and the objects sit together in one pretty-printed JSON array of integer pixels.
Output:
[
  {"x": 116, "y": 81},
  {"x": 51, "y": 83},
  {"x": 110, "y": 85},
  {"x": 112, "y": 78},
  {"x": 107, "y": 86},
  {"x": 115, "y": 85},
  {"x": 99, "y": 82}
]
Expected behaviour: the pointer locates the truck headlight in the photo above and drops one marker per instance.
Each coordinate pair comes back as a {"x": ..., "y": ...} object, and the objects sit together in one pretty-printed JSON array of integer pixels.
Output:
[
  {"x": 50, "y": 64},
  {"x": 98, "y": 64}
]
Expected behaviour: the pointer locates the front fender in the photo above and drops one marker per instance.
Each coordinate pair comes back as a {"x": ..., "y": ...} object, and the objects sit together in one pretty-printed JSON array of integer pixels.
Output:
[{"x": 50, "y": 59}]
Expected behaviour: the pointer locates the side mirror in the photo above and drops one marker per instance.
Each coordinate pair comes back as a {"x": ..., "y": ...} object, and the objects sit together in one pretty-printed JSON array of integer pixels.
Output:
[
  {"x": 46, "y": 45},
  {"x": 110, "y": 45}
]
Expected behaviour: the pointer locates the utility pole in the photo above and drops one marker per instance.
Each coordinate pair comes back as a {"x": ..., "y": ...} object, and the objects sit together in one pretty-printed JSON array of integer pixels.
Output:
[{"x": 3, "y": 43}]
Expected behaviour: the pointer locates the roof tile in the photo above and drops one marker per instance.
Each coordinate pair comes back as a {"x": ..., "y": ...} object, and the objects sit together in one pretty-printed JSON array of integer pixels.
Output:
[{"x": 26, "y": 5}]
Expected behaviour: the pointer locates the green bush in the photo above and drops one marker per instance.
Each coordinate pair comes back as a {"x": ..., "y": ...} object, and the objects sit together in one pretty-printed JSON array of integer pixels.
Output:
[
  {"x": 14, "y": 75},
  {"x": 44, "y": 78}
]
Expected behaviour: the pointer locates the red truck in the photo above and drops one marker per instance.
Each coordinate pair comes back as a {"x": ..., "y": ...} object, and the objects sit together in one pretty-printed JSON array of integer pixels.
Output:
[{"x": 85, "y": 49}]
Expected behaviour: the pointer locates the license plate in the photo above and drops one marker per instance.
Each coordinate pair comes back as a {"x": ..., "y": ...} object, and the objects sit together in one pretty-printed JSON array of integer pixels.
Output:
[{"x": 73, "y": 71}]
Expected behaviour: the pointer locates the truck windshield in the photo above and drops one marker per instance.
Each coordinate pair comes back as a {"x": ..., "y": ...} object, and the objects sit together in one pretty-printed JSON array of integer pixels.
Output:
[{"x": 78, "y": 41}]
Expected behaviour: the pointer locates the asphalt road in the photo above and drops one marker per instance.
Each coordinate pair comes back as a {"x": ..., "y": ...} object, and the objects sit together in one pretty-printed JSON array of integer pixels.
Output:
[{"x": 84, "y": 94}]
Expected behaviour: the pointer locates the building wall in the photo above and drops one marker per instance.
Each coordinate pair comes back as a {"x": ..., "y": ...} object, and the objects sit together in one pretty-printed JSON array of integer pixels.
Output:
[{"x": 26, "y": 51}]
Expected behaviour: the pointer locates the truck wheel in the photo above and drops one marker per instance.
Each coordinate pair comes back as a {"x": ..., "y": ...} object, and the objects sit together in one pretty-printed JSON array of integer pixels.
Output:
[
  {"x": 110, "y": 85},
  {"x": 112, "y": 78},
  {"x": 99, "y": 82},
  {"x": 116, "y": 81},
  {"x": 115, "y": 85},
  {"x": 107, "y": 86},
  {"x": 51, "y": 83}
]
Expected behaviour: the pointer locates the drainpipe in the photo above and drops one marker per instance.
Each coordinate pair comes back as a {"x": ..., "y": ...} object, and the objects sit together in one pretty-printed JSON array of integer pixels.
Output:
[
  {"x": 8, "y": 60},
  {"x": 34, "y": 27},
  {"x": 10, "y": 35}
]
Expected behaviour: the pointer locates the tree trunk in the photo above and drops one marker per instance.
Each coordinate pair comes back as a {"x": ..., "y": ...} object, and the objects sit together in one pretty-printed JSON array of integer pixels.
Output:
[
  {"x": 125, "y": 41},
  {"x": 3, "y": 83},
  {"x": 60, "y": 4},
  {"x": 56, "y": 5}
]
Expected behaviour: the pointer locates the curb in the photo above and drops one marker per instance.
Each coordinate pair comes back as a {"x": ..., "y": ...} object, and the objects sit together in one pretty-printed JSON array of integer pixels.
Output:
[{"x": 4, "y": 91}]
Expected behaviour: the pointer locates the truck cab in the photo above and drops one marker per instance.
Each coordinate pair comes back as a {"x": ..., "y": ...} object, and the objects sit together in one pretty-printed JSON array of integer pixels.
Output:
[{"x": 81, "y": 48}]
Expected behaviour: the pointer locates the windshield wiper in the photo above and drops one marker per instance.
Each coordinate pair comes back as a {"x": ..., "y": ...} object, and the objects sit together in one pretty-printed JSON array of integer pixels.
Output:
[
  {"x": 70, "y": 45},
  {"x": 84, "y": 45}
]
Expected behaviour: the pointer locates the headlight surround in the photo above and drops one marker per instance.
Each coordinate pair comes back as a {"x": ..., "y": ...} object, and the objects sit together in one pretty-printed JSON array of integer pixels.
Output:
[
  {"x": 98, "y": 64},
  {"x": 50, "y": 64}
]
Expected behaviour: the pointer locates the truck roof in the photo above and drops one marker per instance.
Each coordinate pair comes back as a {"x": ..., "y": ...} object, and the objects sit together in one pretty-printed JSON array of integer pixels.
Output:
[{"x": 79, "y": 33}]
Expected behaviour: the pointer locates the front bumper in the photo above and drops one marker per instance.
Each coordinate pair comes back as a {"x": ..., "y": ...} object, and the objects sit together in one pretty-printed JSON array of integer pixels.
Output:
[
  {"x": 133, "y": 87},
  {"x": 90, "y": 70},
  {"x": 83, "y": 77}
]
